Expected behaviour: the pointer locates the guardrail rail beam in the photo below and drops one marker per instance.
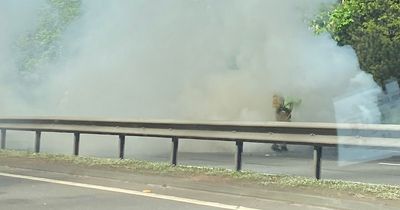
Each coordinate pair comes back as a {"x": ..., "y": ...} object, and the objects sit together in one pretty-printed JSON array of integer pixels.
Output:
[{"x": 318, "y": 135}]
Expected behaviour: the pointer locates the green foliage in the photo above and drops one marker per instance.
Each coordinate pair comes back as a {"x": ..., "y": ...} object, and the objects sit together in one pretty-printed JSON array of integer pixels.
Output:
[
  {"x": 41, "y": 45},
  {"x": 372, "y": 28}
]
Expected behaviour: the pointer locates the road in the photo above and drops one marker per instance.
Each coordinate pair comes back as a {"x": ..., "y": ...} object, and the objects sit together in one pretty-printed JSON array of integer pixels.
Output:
[
  {"x": 22, "y": 189},
  {"x": 298, "y": 162},
  {"x": 30, "y": 183},
  {"x": 23, "y": 194}
]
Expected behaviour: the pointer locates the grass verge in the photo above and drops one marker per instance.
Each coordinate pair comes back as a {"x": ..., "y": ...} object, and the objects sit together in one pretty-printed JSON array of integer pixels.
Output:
[{"x": 356, "y": 189}]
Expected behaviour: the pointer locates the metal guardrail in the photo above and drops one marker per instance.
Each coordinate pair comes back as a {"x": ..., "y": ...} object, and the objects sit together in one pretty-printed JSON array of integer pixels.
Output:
[{"x": 317, "y": 135}]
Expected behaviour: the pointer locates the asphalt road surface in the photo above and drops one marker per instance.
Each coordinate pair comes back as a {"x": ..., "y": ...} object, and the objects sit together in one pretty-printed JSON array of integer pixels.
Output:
[
  {"x": 29, "y": 183},
  {"x": 24, "y": 194},
  {"x": 297, "y": 161},
  {"x": 300, "y": 162},
  {"x": 22, "y": 189}
]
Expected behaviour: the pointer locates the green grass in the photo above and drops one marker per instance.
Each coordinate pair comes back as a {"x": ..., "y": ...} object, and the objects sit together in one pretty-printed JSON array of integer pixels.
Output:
[{"x": 391, "y": 192}]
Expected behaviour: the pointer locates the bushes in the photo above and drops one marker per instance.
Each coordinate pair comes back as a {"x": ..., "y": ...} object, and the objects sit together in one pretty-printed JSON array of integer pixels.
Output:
[{"x": 372, "y": 28}]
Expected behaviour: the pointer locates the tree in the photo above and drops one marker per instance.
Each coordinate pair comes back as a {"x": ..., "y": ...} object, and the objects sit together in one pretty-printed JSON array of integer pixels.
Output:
[
  {"x": 41, "y": 45},
  {"x": 372, "y": 28}
]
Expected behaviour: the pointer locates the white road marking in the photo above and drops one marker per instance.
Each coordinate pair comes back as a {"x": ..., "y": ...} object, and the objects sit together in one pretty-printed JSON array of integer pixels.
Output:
[
  {"x": 390, "y": 164},
  {"x": 131, "y": 192}
]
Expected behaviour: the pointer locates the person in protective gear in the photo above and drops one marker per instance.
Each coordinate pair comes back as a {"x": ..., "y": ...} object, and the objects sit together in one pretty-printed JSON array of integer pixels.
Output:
[{"x": 283, "y": 113}]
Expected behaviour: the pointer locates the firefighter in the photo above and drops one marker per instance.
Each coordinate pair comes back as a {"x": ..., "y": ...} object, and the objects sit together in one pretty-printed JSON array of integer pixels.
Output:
[{"x": 283, "y": 113}]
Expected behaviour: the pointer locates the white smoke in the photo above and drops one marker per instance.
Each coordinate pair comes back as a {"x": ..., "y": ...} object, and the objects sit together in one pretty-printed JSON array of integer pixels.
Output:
[{"x": 187, "y": 59}]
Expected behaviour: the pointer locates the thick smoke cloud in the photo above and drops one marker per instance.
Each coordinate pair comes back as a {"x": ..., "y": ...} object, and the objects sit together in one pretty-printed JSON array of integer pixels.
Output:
[{"x": 185, "y": 59}]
